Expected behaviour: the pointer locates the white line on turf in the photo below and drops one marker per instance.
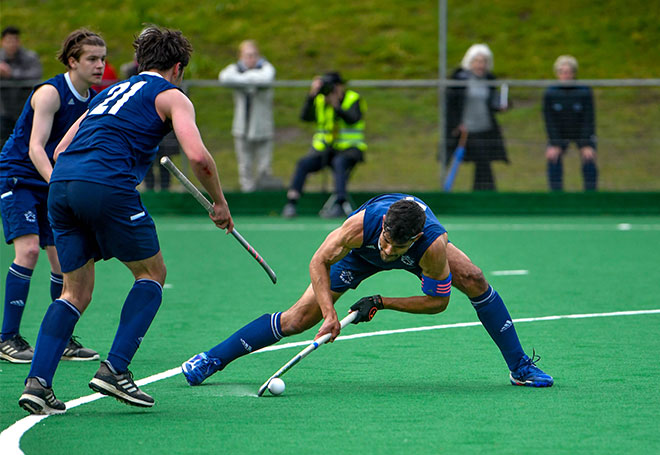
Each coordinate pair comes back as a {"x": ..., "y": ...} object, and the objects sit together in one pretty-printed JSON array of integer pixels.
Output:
[
  {"x": 11, "y": 436},
  {"x": 509, "y": 272}
]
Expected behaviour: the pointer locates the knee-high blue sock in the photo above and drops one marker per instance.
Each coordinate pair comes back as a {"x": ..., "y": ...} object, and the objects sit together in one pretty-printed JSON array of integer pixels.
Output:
[
  {"x": 56, "y": 329},
  {"x": 139, "y": 311},
  {"x": 496, "y": 320},
  {"x": 17, "y": 287},
  {"x": 262, "y": 332},
  {"x": 56, "y": 283}
]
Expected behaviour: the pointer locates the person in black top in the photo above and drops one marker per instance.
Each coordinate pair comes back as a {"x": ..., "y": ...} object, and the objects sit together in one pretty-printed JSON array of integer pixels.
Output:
[
  {"x": 471, "y": 111},
  {"x": 568, "y": 111}
]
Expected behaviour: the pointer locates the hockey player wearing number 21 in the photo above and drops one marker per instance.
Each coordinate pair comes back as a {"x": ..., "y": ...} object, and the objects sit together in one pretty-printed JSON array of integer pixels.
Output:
[
  {"x": 391, "y": 231},
  {"x": 103, "y": 157}
]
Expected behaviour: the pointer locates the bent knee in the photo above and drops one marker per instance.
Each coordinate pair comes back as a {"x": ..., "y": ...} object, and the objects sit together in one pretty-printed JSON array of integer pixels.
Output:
[
  {"x": 28, "y": 255},
  {"x": 470, "y": 280},
  {"x": 293, "y": 324}
]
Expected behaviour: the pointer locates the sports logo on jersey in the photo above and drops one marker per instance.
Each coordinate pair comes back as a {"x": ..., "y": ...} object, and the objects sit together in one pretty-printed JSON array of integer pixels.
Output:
[
  {"x": 30, "y": 217},
  {"x": 346, "y": 276},
  {"x": 71, "y": 102},
  {"x": 20, "y": 303},
  {"x": 407, "y": 260}
]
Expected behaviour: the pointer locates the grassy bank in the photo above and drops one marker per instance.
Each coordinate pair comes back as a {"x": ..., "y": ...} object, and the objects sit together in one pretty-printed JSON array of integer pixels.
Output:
[{"x": 387, "y": 39}]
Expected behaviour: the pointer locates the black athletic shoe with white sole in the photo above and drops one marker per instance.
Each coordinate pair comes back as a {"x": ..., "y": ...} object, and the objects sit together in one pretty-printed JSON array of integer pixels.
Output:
[
  {"x": 16, "y": 350},
  {"x": 40, "y": 400},
  {"x": 120, "y": 386},
  {"x": 77, "y": 352}
]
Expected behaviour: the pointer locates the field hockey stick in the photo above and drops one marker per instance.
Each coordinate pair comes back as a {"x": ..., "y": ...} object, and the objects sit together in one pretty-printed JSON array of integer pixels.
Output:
[
  {"x": 192, "y": 189},
  {"x": 305, "y": 352},
  {"x": 456, "y": 161}
]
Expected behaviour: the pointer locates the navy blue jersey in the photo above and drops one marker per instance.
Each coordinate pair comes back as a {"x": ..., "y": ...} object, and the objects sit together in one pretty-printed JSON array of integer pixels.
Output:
[
  {"x": 374, "y": 210},
  {"x": 14, "y": 159},
  {"x": 118, "y": 139}
]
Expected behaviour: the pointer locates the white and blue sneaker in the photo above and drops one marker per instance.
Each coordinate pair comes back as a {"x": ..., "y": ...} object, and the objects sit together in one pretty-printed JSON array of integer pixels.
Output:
[
  {"x": 528, "y": 374},
  {"x": 200, "y": 367}
]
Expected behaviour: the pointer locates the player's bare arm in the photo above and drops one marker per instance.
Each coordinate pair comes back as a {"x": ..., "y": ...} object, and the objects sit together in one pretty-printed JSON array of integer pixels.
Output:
[
  {"x": 174, "y": 105},
  {"x": 335, "y": 246},
  {"x": 435, "y": 266},
  {"x": 45, "y": 102}
]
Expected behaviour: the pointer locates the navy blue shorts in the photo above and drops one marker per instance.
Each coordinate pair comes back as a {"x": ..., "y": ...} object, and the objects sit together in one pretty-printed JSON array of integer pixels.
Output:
[
  {"x": 351, "y": 271},
  {"x": 24, "y": 211},
  {"x": 94, "y": 221}
]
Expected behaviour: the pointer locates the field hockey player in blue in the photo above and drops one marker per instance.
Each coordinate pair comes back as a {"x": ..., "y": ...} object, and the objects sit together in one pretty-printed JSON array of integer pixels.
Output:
[
  {"x": 392, "y": 231},
  {"x": 26, "y": 164},
  {"x": 96, "y": 212}
]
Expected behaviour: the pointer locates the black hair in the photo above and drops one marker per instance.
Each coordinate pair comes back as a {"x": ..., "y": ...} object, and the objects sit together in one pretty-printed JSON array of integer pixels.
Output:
[
  {"x": 72, "y": 46},
  {"x": 10, "y": 30},
  {"x": 404, "y": 220},
  {"x": 161, "y": 48}
]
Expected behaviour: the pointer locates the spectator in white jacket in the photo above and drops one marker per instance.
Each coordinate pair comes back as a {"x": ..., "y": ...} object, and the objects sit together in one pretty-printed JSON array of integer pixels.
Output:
[{"x": 253, "y": 117}]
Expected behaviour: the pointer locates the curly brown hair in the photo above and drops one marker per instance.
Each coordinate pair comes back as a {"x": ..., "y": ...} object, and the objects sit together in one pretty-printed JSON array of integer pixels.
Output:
[{"x": 161, "y": 48}]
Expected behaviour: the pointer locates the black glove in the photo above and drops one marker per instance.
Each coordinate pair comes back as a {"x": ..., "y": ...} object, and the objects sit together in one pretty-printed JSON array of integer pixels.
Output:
[{"x": 366, "y": 308}]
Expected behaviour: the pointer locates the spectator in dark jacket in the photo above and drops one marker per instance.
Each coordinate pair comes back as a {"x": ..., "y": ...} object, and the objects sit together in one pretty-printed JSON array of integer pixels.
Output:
[
  {"x": 471, "y": 110},
  {"x": 16, "y": 64},
  {"x": 569, "y": 117}
]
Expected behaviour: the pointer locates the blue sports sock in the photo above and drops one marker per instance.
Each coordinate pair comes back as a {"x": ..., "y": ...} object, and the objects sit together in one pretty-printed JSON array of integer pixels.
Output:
[
  {"x": 496, "y": 320},
  {"x": 262, "y": 332},
  {"x": 56, "y": 283},
  {"x": 54, "y": 334},
  {"x": 17, "y": 287},
  {"x": 139, "y": 311}
]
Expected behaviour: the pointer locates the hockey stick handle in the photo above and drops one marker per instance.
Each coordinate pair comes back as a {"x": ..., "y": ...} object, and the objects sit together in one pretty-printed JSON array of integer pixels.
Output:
[
  {"x": 305, "y": 352},
  {"x": 192, "y": 189}
]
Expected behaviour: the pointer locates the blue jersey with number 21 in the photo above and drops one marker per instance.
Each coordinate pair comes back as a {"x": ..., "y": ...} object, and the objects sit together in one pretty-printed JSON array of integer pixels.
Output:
[{"x": 118, "y": 139}]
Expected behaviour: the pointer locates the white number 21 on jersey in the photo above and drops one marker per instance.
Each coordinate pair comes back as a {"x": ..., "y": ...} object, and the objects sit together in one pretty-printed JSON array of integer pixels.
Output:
[{"x": 113, "y": 96}]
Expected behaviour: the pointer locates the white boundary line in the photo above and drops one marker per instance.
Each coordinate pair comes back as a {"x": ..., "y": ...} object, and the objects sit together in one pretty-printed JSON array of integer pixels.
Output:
[{"x": 10, "y": 438}]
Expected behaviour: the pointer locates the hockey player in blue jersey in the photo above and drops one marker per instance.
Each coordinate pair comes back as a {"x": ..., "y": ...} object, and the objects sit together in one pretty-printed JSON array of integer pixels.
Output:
[
  {"x": 392, "y": 231},
  {"x": 96, "y": 212},
  {"x": 26, "y": 164}
]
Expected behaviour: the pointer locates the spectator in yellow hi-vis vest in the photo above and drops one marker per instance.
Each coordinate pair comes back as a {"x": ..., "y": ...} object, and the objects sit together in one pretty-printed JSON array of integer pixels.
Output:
[{"x": 338, "y": 142}]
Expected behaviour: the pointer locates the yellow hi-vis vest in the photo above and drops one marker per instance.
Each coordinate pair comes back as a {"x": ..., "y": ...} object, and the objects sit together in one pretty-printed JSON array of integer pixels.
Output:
[{"x": 335, "y": 132}]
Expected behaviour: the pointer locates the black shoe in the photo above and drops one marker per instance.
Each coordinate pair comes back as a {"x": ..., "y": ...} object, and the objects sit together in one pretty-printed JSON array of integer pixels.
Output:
[
  {"x": 120, "y": 386},
  {"x": 76, "y": 351},
  {"x": 16, "y": 350},
  {"x": 37, "y": 399}
]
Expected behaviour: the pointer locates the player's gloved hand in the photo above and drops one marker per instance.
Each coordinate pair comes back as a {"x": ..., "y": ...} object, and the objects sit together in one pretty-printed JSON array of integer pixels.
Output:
[{"x": 366, "y": 308}]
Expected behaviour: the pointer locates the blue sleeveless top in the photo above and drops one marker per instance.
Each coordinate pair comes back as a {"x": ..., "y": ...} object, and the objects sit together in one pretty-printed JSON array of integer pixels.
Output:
[
  {"x": 118, "y": 139},
  {"x": 15, "y": 159},
  {"x": 374, "y": 210}
]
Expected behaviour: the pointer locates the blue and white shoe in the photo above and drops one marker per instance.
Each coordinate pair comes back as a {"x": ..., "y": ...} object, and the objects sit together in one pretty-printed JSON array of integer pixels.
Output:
[
  {"x": 528, "y": 374},
  {"x": 200, "y": 367}
]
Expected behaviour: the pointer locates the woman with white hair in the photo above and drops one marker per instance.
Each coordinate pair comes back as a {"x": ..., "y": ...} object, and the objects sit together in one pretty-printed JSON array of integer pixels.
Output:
[
  {"x": 471, "y": 114},
  {"x": 568, "y": 110}
]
